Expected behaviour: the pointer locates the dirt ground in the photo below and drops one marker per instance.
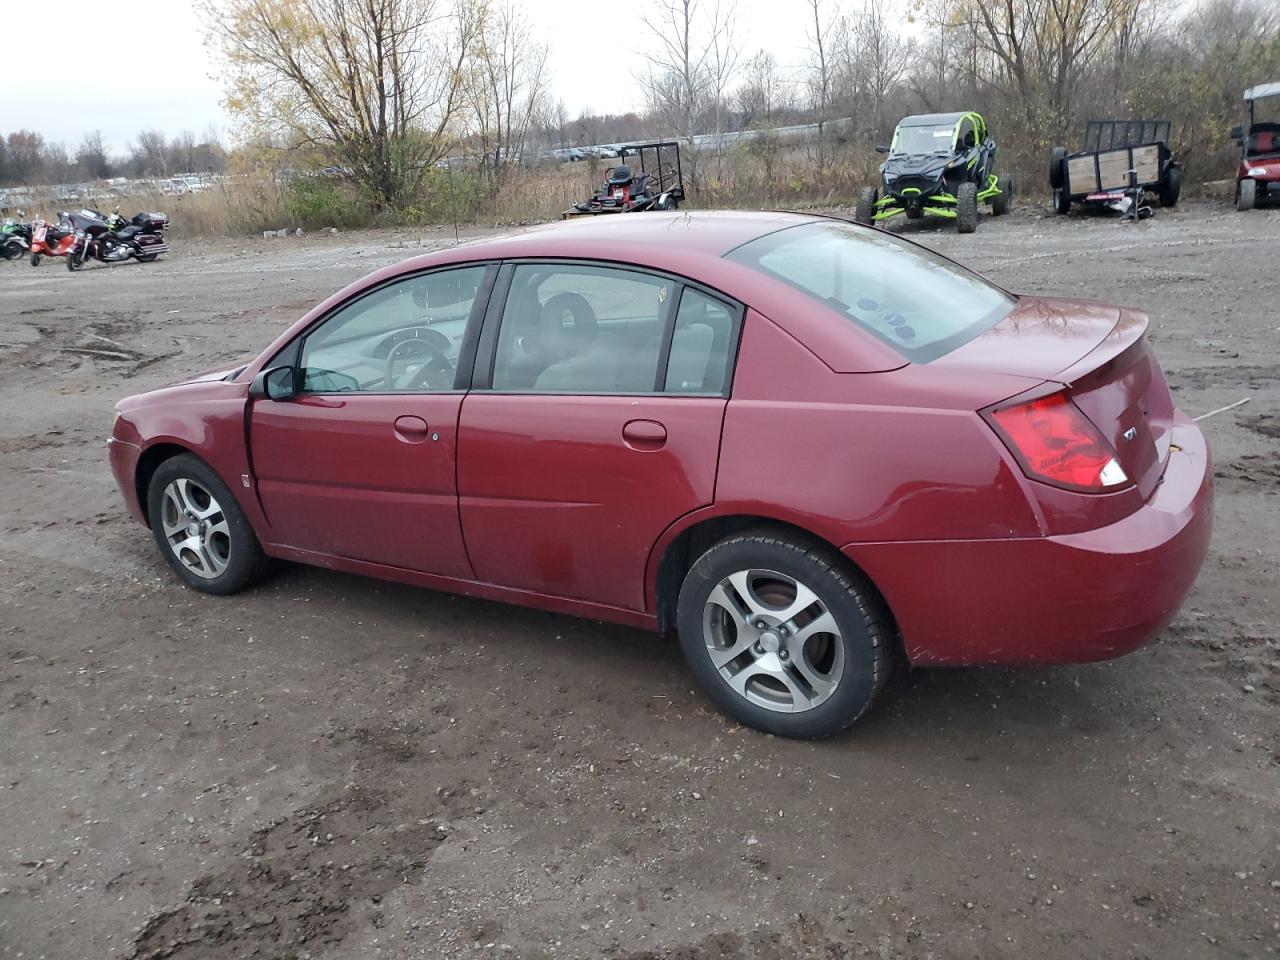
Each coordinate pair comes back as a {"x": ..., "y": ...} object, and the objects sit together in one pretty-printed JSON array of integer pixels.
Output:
[{"x": 333, "y": 767}]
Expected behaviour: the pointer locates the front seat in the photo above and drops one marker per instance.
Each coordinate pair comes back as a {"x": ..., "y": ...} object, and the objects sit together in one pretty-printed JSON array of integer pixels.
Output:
[{"x": 586, "y": 363}]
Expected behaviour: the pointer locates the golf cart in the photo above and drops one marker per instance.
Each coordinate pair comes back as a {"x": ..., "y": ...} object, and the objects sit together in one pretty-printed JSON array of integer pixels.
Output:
[
  {"x": 1118, "y": 163},
  {"x": 1258, "y": 176},
  {"x": 940, "y": 164},
  {"x": 653, "y": 181}
]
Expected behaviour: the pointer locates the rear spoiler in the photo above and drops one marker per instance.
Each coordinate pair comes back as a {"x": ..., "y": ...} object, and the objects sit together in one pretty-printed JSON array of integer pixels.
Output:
[{"x": 1129, "y": 329}]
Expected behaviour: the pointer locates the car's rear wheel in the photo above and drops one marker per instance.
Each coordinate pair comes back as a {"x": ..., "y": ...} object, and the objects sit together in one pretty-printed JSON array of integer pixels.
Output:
[
  {"x": 783, "y": 635},
  {"x": 864, "y": 210},
  {"x": 967, "y": 208},
  {"x": 201, "y": 530},
  {"x": 1247, "y": 195}
]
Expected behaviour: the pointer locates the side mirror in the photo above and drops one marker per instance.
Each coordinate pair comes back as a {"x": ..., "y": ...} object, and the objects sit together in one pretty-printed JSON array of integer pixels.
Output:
[
  {"x": 881, "y": 148},
  {"x": 274, "y": 384},
  {"x": 1237, "y": 133}
]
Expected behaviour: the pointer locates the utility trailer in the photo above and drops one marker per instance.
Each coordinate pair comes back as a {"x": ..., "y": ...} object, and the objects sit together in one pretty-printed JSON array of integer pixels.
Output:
[
  {"x": 658, "y": 184},
  {"x": 1118, "y": 163}
]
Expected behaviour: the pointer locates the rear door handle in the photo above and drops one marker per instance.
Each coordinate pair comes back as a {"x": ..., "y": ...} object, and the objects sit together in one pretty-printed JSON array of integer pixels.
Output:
[{"x": 644, "y": 434}]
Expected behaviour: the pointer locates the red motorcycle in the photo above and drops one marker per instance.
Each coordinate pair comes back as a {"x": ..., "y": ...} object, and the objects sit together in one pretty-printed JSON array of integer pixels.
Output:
[
  {"x": 143, "y": 238},
  {"x": 50, "y": 240}
]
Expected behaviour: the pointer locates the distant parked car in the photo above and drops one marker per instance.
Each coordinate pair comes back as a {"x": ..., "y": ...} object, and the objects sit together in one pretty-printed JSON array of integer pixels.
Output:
[{"x": 799, "y": 443}]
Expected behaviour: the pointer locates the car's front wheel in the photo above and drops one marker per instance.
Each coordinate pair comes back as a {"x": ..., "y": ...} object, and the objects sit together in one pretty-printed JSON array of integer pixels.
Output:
[
  {"x": 783, "y": 635},
  {"x": 201, "y": 530}
]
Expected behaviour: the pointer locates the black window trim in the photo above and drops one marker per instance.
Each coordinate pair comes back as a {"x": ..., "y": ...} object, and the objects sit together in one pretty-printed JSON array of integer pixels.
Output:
[
  {"x": 487, "y": 347},
  {"x": 291, "y": 353}
]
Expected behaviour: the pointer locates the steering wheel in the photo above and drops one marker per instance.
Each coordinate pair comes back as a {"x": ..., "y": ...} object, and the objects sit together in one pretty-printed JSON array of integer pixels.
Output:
[{"x": 437, "y": 364}]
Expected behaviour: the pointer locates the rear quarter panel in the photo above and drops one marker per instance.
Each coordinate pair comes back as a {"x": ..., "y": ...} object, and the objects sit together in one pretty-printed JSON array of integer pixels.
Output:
[{"x": 899, "y": 455}]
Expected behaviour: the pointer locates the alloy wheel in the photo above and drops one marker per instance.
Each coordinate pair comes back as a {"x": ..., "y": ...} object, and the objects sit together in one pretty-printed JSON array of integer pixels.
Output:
[
  {"x": 195, "y": 528},
  {"x": 773, "y": 641}
]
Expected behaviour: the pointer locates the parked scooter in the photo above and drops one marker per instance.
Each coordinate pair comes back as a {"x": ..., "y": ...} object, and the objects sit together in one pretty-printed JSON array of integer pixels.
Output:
[
  {"x": 51, "y": 240},
  {"x": 15, "y": 237},
  {"x": 143, "y": 237}
]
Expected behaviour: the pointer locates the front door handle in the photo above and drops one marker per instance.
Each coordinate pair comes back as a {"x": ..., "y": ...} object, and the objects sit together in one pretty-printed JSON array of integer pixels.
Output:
[
  {"x": 411, "y": 429},
  {"x": 644, "y": 434}
]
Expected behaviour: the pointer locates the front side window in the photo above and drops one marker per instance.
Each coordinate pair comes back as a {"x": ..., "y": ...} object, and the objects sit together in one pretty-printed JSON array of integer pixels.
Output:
[
  {"x": 569, "y": 328},
  {"x": 919, "y": 303},
  {"x": 405, "y": 336}
]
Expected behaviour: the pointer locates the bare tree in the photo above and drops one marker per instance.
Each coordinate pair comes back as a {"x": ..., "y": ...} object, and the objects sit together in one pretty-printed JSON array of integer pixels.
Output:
[
  {"x": 820, "y": 72},
  {"x": 92, "y": 157},
  {"x": 884, "y": 57},
  {"x": 378, "y": 83},
  {"x": 761, "y": 90},
  {"x": 507, "y": 84}
]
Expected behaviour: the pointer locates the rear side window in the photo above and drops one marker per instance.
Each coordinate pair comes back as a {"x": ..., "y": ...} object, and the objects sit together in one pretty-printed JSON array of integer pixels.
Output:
[
  {"x": 919, "y": 303},
  {"x": 700, "y": 345}
]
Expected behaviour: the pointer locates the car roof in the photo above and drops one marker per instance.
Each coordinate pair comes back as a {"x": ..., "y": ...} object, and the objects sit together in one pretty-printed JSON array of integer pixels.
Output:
[
  {"x": 707, "y": 233},
  {"x": 932, "y": 120}
]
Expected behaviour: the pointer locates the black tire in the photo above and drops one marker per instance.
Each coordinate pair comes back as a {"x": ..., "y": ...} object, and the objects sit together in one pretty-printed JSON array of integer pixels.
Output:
[
  {"x": 11, "y": 250},
  {"x": 74, "y": 259},
  {"x": 1246, "y": 194},
  {"x": 234, "y": 561},
  {"x": 862, "y": 645},
  {"x": 35, "y": 259},
  {"x": 967, "y": 208},
  {"x": 1061, "y": 200},
  {"x": 1171, "y": 189},
  {"x": 864, "y": 210},
  {"x": 1058, "y": 168},
  {"x": 1002, "y": 202},
  {"x": 147, "y": 257}
]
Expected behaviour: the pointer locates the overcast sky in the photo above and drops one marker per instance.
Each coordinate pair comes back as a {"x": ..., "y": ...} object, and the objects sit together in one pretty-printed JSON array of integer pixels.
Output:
[{"x": 124, "y": 67}]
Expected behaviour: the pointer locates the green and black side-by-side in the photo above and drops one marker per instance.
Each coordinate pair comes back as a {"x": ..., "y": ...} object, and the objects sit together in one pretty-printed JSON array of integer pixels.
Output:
[{"x": 939, "y": 164}]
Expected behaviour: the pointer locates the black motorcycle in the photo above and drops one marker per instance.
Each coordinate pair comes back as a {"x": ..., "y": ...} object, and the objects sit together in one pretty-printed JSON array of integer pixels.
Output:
[
  {"x": 112, "y": 240},
  {"x": 15, "y": 238}
]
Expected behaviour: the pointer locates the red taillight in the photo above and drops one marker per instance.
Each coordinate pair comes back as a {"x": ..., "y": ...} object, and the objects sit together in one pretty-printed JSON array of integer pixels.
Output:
[{"x": 1056, "y": 443}]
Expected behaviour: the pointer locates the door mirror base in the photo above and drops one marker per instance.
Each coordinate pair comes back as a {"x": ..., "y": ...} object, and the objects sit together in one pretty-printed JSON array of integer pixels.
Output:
[{"x": 274, "y": 384}]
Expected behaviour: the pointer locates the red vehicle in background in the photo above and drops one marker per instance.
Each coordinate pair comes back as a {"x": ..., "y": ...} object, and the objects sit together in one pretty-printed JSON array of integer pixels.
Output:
[
  {"x": 798, "y": 443},
  {"x": 1258, "y": 176},
  {"x": 51, "y": 240}
]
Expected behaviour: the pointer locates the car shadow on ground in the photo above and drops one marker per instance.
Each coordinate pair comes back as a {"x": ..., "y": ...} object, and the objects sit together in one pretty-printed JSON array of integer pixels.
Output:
[{"x": 942, "y": 705}]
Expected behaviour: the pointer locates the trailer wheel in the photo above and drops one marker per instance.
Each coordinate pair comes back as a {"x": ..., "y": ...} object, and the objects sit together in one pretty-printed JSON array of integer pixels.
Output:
[
  {"x": 1246, "y": 194},
  {"x": 967, "y": 208},
  {"x": 1002, "y": 202},
  {"x": 864, "y": 210},
  {"x": 1171, "y": 189},
  {"x": 1058, "y": 167},
  {"x": 1061, "y": 200}
]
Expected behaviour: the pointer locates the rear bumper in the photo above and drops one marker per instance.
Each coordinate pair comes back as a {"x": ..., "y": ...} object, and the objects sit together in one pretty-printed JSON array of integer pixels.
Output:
[
  {"x": 1065, "y": 599},
  {"x": 124, "y": 467}
]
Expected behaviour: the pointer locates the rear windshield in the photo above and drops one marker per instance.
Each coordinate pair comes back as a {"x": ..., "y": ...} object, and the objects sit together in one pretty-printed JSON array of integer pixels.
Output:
[{"x": 919, "y": 303}]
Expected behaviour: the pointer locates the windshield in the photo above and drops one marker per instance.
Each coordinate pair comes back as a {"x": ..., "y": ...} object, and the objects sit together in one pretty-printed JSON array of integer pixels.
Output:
[
  {"x": 919, "y": 303},
  {"x": 923, "y": 139}
]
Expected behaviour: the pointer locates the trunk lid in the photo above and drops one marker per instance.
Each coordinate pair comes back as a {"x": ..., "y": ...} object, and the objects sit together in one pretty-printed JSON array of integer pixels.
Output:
[{"x": 1100, "y": 354}]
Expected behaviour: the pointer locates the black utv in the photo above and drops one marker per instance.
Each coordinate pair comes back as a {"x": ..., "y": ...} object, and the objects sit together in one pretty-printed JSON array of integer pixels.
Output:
[{"x": 940, "y": 164}]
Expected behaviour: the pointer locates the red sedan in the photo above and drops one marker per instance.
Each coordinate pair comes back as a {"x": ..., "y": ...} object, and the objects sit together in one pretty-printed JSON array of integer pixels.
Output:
[{"x": 799, "y": 443}]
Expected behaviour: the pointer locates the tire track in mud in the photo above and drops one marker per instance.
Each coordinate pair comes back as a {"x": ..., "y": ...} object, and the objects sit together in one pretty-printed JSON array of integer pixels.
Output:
[{"x": 303, "y": 881}]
